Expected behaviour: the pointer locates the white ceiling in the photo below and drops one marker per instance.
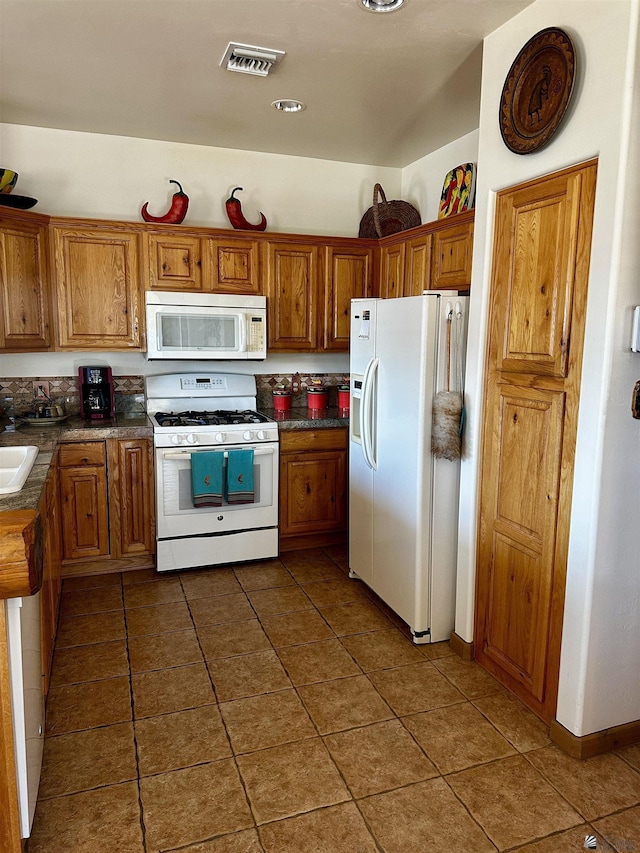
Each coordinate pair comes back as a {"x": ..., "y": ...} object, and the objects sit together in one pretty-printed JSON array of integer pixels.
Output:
[{"x": 380, "y": 89}]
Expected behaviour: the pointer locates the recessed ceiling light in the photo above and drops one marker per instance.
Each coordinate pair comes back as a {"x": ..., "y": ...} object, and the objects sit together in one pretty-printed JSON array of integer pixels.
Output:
[
  {"x": 382, "y": 5},
  {"x": 288, "y": 105}
]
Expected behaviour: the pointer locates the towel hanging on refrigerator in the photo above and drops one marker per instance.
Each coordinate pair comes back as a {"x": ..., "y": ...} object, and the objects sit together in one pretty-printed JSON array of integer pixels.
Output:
[
  {"x": 206, "y": 477},
  {"x": 239, "y": 484}
]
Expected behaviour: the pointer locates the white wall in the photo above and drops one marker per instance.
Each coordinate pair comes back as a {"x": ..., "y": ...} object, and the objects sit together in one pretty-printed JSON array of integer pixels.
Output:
[
  {"x": 599, "y": 683},
  {"x": 110, "y": 177},
  {"x": 422, "y": 181}
]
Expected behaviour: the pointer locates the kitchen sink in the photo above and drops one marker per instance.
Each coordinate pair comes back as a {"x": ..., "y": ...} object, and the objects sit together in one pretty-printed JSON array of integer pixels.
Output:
[{"x": 15, "y": 466}]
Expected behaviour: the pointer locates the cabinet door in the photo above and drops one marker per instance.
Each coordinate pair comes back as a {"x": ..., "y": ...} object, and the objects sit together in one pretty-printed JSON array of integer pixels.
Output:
[
  {"x": 417, "y": 266},
  {"x": 292, "y": 289},
  {"x": 174, "y": 262},
  {"x": 134, "y": 496},
  {"x": 84, "y": 501},
  {"x": 234, "y": 266},
  {"x": 451, "y": 257},
  {"x": 97, "y": 283},
  {"x": 347, "y": 276},
  {"x": 391, "y": 270},
  {"x": 313, "y": 492},
  {"x": 24, "y": 320}
]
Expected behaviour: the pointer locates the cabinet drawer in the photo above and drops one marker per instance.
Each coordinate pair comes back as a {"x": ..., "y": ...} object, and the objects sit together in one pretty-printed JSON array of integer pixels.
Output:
[
  {"x": 82, "y": 453},
  {"x": 295, "y": 441}
]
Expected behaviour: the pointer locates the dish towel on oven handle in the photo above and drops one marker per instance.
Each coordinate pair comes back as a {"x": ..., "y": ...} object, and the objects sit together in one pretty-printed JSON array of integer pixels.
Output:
[
  {"x": 206, "y": 477},
  {"x": 240, "y": 477}
]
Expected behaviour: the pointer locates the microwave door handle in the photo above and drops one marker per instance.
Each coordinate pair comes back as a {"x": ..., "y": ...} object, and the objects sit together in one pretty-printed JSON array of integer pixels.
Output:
[{"x": 242, "y": 324}]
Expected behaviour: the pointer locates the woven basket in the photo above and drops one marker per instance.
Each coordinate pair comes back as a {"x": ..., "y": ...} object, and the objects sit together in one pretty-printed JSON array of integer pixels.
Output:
[{"x": 387, "y": 217}]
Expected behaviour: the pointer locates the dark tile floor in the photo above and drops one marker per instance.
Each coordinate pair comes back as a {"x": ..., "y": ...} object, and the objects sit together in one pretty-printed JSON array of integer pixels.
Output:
[{"x": 280, "y": 707}]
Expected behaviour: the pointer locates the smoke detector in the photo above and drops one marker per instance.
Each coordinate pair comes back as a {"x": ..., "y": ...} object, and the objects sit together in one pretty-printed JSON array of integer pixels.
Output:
[{"x": 249, "y": 59}]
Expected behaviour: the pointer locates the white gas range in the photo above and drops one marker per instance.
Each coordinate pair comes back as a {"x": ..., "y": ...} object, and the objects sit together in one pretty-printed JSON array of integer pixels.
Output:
[{"x": 197, "y": 412}]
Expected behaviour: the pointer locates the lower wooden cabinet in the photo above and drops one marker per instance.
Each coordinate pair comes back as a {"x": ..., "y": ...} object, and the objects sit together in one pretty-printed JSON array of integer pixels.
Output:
[
  {"x": 313, "y": 487},
  {"x": 106, "y": 504}
]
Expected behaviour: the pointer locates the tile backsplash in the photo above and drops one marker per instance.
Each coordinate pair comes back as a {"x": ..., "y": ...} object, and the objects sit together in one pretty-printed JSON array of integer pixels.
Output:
[{"x": 17, "y": 393}]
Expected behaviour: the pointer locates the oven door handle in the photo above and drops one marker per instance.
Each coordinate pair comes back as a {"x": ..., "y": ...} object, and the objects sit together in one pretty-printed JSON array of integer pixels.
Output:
[{"x": 182, "y": 454}]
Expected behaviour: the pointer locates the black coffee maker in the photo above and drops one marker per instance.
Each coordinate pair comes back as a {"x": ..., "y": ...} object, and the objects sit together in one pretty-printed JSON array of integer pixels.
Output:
[{"x": 96, "y": 392}]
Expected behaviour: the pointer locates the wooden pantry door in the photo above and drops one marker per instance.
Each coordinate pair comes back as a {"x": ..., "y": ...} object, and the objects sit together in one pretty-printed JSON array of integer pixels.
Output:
[{"x": 542, "y": 242}]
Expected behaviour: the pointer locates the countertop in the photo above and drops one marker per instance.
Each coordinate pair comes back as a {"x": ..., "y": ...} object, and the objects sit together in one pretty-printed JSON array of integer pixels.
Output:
[
  {"x": 304, "y": 418},
  {"x": 45, "y": 438}
]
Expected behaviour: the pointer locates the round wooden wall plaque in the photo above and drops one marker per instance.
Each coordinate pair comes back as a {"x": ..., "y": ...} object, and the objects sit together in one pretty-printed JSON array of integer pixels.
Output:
[{"x": 537, "y": 90}]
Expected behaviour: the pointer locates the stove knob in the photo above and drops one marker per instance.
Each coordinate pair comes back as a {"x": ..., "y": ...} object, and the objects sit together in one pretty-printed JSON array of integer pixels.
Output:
[
  {"x": 220, "y": 436},
  {"x": 175, "y": 439},
  {"x": 247, "y": 435},
  {"x": 191, "y": 439},
  {"x": 261, "y": 434}
]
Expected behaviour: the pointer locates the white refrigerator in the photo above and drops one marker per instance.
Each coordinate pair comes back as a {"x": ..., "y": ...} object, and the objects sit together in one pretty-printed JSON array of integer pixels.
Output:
[{"x": 403, "y": 502}]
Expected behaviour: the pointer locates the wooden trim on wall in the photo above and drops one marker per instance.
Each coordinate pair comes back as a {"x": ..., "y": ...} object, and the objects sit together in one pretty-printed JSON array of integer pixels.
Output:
[
  {"x": 594, "y": 744},
  {"x": 461, "y": 647}
]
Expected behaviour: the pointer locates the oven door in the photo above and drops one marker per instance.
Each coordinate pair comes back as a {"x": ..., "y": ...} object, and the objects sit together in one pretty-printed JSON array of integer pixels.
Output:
[{"x": 176, "y": 514}]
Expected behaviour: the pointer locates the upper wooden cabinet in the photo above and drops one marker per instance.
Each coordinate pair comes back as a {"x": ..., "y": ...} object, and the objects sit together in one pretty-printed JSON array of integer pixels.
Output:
[
  {"x": 173, "y": 262},
  {"x": 197, "y": 263},
  {"x": 234, "y": 265},
  {"x": 435, "y": 256},
  {"x": 348, "y": 274},
  {"x": 451, "y": 257},
  {"x": 97, "y": 285},
  {"x": 417, "y": 269},
  {"x": 392, "y": 271},
  {"x": 291, "y": 271},
  {"x": 24, "y": 286}
]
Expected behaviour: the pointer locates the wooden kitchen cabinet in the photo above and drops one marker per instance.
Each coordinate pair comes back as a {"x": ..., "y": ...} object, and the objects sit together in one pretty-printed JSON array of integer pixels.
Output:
[
  {"x": 196, "y": 263},
  {"x": 451, "y": 256},
  {"x": 97, "y": 287},
  {"x": 51, "y": 575},
  {"x": 173, "y": 262},
  {"x": 348, "y": 274},
  {"x": 313, "y": 487},
  {"x": 132, "y": 496},
  {"x": 434, "y": 256},
  {"x": 293, "y": 303},
  {"x": 417, "y": 265},
  {"x": 234, "y": 265},
  {"x": 84, "y": 500},
  {"x": 391, "y": 283},
  {"x": 24, "y": 283},
  {"x": 107, "y": 505}
]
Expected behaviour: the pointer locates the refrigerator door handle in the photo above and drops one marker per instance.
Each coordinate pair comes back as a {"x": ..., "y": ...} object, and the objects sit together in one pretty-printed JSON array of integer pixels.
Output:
[{"x": 366, "y": 413}]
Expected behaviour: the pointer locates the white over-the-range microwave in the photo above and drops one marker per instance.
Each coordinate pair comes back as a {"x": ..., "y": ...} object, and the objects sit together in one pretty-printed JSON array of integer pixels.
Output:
[{"x": 205, "y": 326}]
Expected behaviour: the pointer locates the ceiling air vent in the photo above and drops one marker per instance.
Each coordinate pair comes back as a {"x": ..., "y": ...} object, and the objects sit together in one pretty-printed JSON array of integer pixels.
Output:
[{"x": 249, "y": 59}]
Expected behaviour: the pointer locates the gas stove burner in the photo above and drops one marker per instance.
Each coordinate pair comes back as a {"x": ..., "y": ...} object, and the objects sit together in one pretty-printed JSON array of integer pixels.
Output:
[{"x": 217, "y": 418}]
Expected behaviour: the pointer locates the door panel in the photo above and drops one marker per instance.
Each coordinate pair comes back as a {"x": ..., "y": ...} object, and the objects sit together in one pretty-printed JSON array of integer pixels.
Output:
[
  {"x": 539, "y": 283},
  {"x": 540, "y": 279}
]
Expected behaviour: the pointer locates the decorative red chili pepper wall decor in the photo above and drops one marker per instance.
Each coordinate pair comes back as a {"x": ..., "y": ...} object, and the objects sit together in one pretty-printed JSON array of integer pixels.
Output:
[
  {"x": 236, "y": 217},
  {"x": 175, "y": 214}
]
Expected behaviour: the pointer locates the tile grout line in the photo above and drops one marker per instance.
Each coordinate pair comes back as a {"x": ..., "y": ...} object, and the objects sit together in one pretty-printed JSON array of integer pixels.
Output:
[
  {"x": 143, "y": 827},
  {"x": 222, "y": 720}
]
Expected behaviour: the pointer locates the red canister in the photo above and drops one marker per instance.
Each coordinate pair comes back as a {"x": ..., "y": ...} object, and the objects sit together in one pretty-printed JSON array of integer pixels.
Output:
[
  {"x": 316, "y": 398},
  {"x": 282, "y": 401},
  {"x": 343, "y": 397}
]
